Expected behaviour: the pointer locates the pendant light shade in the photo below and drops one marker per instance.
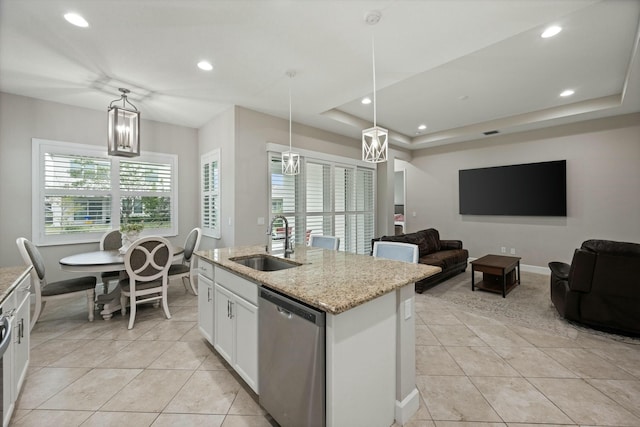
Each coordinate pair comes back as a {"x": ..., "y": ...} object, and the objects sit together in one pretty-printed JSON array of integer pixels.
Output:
[
  {"x": 124, "y": 128},
  {"x": 375, "y": 140},
  {"x": 290, "y": 160}
]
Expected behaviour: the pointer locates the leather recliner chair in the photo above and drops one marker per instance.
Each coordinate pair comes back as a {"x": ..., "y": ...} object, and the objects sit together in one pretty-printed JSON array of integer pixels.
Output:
[{"x": 601, "y": 287}]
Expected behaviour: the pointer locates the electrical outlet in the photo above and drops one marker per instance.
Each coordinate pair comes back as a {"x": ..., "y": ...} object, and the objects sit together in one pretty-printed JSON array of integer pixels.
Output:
[
  {"x": 513, "y": 251},
  {"x": 503, "y": 250}
]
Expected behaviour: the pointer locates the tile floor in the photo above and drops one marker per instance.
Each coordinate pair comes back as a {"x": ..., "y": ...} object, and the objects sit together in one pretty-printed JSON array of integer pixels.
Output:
[{"x": 471, "y": 371}]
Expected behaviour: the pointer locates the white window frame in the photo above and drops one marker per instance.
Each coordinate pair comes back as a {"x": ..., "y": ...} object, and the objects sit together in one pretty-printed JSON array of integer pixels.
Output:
[
  {"x": 42, "y": 146},
  {"x": 214, "y": 192},
  {"x": 309, "y": 156}
]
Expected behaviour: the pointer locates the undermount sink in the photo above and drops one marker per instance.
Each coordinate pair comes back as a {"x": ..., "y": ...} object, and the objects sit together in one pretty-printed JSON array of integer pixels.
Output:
[{"x": 263, "y": 262}]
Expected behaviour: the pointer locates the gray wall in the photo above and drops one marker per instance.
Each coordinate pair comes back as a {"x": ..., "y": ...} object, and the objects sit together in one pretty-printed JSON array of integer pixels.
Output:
[
  {"x": 23, "y": 118},
  {"x": 603, "y": 200}
]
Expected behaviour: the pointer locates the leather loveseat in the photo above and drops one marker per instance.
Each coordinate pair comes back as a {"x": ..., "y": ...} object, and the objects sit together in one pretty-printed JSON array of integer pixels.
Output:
[
  {"x": 446, "y": 254},
  {"x": 601, "y": 287}
]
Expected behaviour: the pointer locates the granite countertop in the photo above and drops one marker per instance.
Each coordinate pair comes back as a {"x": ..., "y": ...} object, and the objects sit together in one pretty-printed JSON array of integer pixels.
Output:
[
  {"x": 10, "y": 276},
  {"x": 331, "y": 281}
]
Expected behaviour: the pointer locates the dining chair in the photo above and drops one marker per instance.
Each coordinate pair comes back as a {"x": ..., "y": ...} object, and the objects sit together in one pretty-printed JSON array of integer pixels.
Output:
[
  {"x": 183, "y": 268},
  {"x": 325, "y": 242},
  {"x": 45, "y": 291},
  {"x": 397, "y": 251},
  {"x": 110, "y": 241},
  {"x": 147, "y": 263}
]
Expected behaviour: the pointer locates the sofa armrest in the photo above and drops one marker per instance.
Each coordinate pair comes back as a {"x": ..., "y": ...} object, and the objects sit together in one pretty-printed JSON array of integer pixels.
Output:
[
  {"x": 560, "y": 270},
  {"x": 450, "y": 244}
]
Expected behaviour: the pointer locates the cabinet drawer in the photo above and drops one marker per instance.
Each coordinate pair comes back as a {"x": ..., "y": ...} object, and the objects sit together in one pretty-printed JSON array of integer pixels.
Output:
[
  {"x": 236, "y": 284},
  {"x": 205, "y": 268}
]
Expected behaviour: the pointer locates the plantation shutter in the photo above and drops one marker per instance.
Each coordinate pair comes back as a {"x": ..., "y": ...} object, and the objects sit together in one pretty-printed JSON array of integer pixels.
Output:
[{"x": 210, "y": 193}]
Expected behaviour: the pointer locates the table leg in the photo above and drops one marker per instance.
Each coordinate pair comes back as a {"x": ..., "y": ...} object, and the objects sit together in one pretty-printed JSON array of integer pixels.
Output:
[
  {"x": 473, "y": 281},
  {"x": 518, "y": 272},
  {"x": 504, "y": 284}
]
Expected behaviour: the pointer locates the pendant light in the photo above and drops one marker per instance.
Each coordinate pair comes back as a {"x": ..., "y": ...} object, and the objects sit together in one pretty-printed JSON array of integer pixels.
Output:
[
  {"x": 290, "y": 160},
  {"x": 124, "y": 128},
  {"x": 375, "y": 139}
]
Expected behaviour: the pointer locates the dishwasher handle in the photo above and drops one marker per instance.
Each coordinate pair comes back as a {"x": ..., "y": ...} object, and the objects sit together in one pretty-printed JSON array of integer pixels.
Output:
[{"x": 288, "y": 307}]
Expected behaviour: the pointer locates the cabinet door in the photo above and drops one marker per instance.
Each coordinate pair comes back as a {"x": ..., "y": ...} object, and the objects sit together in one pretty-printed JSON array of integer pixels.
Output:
[
  {"x": 21, "y": 345},
  {"x": 245, "y": 316},
  {"x": 223, "y": 336},
  {"x": 205, "y": 307},
  {"x": 8, "y": 307}
]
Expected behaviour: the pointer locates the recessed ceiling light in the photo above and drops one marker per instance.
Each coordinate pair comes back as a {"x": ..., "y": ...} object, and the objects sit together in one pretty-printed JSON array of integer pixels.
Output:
[
  {"x": 422, "y": 127},
  {"x": 567, "y": 92},
  {"x": 366, "y": 100},
  {"x": 204, "y": 65},
  {"x": 75, "y": 19},
  {"x": 550, "y": 31}
]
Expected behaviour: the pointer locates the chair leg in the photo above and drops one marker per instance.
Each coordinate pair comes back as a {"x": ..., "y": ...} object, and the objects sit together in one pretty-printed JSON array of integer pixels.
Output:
[
  {"x": 37, "y": 311},
  {"x": 123, "y": 303},
  {"x": 91, "y": 303},
  {"x": 165, "y": 306},
  {"x": 132, "y": 314},
  {"x": 186, "y": 279}
]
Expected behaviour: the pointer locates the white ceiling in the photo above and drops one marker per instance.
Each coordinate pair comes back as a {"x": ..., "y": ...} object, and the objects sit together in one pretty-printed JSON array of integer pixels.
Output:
[{"x": 462, "y": 67}]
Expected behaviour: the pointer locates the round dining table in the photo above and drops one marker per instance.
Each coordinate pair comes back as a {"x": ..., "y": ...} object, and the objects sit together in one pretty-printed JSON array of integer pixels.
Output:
[{"x": 98, "y": 262}]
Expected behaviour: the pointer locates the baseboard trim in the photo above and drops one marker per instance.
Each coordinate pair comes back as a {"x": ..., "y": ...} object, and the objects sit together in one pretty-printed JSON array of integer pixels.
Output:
[
  {"x": 528, "y": 268},
  {"x": 408, "y": 407}
]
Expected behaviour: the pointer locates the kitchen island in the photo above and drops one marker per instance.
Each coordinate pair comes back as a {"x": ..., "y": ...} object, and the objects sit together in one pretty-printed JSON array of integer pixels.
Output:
[{"x": 370, "y": 327}]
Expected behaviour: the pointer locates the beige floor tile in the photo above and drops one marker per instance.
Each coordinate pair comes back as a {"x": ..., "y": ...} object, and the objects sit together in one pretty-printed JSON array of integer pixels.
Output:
[
  {"x": 435, "y": 360},
  {"x": 89, "y": 330},
  {"x": 531, "y": 362},
  {"x": 516, "y": 400},
  {"x": 474, "y": 319},
  {"x": 45, "y": 383},
  {"x": 193, "y": 334},
  {"x": 49, "y": 352},
  {"x": 91, "y": 354},
  {"x": 138, "y": 354},
  {"x": 586, "y": 364},
  {"x": 545, "y": 339},
  {"x": 182, "y": 355},
  {"x": 584, "y": 403},
  {"x": 246, "y": 404},
  {"x": 214, "y": 362},
  {"x": 627, "y": 358},
  {"x": 481, "y": 361},
  {"x": 178, "y": 299},
  {"x": 172, "y": 330},
  {"x": 469, "y": 405},
  {"x": 625, "y": 393},
  {"x": 449, "y": 335},
  {"x": 184, "y": 313},
  {"x": 468, "y": 424},
  {"x": 38, "y": 418},
  {"x": 541, "y": 425},
  {"x": 206, "y": 392},
  {"x": 18, "y": 414},
  {"x": 437, "y": 317},
  {"x": 422, "y": 413},
  {"x": 245, "y": 421},
  {"x": 119, "y": 329},
  {"x": 92, "y": 390},
  {"x": 499, "y": 336},
  {"x": 424, "y": 336},
  {"x": 188, "y": 420},
  {"x": 150, "y": 391},
  {"x": 416, "y": 423},
  {"x": 128, "y": 419}
]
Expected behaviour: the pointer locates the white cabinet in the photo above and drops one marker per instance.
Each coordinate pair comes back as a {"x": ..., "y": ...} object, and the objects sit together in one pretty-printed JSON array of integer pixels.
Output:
[
  {"x": 205, "y": 299},
  {"x": 15, "y": 360},
  {"x": 236, "y": 324}
]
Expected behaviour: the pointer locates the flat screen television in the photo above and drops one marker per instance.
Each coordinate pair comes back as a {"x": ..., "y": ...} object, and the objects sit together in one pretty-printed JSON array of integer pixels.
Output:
[{"x": 531, "y": 189}]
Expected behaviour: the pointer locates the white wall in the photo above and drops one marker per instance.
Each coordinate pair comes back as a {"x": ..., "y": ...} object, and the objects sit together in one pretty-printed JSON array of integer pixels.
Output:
[
  {"x": 23, "y": 118},
  {"x": 603, "y": 196},
  {"x": 220, "y": 133}
]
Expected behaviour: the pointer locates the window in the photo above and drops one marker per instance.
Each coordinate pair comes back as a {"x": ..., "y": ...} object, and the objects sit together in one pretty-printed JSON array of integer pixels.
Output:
[
  {"x": 79, "y": 192},
  {"x": 328, "y": 197},
  {"x": 210, "y": 193}
]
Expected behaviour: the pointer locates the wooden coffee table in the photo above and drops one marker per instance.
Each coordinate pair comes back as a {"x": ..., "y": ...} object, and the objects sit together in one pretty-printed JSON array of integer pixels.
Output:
[{"x": 500, "y": 274}]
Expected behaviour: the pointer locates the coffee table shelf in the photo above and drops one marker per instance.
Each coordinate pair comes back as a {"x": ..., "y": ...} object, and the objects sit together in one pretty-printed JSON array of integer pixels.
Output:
[{"x": 500, "y": 274}]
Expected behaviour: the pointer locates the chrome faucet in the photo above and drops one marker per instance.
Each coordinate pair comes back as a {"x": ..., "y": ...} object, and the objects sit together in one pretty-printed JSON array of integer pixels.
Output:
[{"x": 288, "y": 247}]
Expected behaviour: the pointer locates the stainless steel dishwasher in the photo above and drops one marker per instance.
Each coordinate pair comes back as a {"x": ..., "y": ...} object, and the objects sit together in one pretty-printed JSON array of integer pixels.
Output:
[{"x": 291, "y": 365}]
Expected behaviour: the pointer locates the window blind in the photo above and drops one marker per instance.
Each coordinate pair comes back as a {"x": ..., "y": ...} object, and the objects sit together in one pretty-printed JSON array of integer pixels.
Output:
[{"x": 210, "y": 193}]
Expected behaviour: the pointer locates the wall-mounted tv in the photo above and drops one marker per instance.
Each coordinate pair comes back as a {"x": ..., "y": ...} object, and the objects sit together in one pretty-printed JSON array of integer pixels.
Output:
[{"x": 531, "y": 189}]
